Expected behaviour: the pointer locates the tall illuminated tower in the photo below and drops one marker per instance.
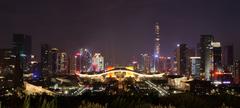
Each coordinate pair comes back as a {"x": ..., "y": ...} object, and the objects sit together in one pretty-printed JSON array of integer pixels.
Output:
[
  {"x": 206, "y": 56},
  {"x": 156, "y": 48}
]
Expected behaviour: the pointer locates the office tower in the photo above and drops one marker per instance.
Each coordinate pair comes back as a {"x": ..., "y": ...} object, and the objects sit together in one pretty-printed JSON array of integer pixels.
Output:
[
  {"x": 156, "y": 49},
  {"x": 219, "y": 75},
  {"x": 36, "y": 73},
  {"x": 195, "y": 67},
  {"x": 162, "y": 64},
  {"x": 53, "y": 61},
  {"x": 7, "y": 69},
  {"x": 58, "y": 61},
  {"x": 45, "y": 57},
  {"x": 206, "y": 56},
  {"x": 145, "y": 63},
  {"x": 228, "y": 55},
  {"x": 7, "y": 61},
  {"x": 98, "y": 62},
  {"x": 22, "y": 48},
  {"x": 236, "y": 72},
  {"x": 182, "y": 59},
  {"x": 11, "y": 70},
  {"x": 62, "y": 63},
  {"x": 22, "y": 45},
  {"x": 168, "y": 65},
  {"x": 165, "y": 64},
  {"x": 217, "y": 55},
  {"x": 18, "y": 72},
  {"x": 71, "y": 64},
  {"x": 135, "y": 63}
]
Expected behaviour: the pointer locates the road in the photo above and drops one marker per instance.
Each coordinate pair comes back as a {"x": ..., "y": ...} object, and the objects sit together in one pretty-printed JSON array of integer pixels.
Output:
[{"x": 161, "y": 91}]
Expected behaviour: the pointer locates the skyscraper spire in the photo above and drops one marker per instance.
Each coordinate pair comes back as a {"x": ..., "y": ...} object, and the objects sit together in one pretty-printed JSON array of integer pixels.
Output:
[
  {"x": 157, "y": 40},
  {"x": 156, "y": 48}
]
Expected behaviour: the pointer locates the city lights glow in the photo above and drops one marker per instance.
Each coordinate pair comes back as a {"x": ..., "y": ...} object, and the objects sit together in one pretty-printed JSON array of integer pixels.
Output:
[{"x": 126, "y": 54}]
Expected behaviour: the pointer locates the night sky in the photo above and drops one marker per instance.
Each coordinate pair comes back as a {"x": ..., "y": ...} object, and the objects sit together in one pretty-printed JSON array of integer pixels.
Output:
[{"x": 120, "y": 29}]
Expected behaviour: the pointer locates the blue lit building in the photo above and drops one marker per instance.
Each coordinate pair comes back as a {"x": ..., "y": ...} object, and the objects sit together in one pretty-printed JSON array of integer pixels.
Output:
[{"x": 195, "y": 67}]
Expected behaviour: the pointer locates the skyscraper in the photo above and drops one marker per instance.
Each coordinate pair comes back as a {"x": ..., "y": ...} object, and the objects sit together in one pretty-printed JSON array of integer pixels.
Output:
[
  {"x": 168, "y": 65},
  {"x": 206, "y": 56},
  {"x": 146, "y": 62},
  {"x": 195, "y": 67},
  {"x": 18, "y": 72},
  {"x": 54, "y": 60},
  {"x": 162, "y": 64},
  {"x": 156, "y": 48},
  {"x": 228, "y": 55},
  {"x": 217, "y": 55},
  {"x": 97, "y": 62},
  {"x": 45, "y": 56},
  {"x": 22, "y": 45},
  {"x": 62, "y": 63},
  {"x": 7, "y": 68},
  {"x": 22, "y": 49},
  {"x": 182, "y": 59},
  {"x": 236, "y": 72},
  {"x": 7, "y": 60}
]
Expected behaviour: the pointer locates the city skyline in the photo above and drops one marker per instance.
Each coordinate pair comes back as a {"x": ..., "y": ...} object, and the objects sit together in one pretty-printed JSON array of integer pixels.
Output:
[
  {"x": 95, "y": 27},
  {"x": 120, "y": 54}
]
